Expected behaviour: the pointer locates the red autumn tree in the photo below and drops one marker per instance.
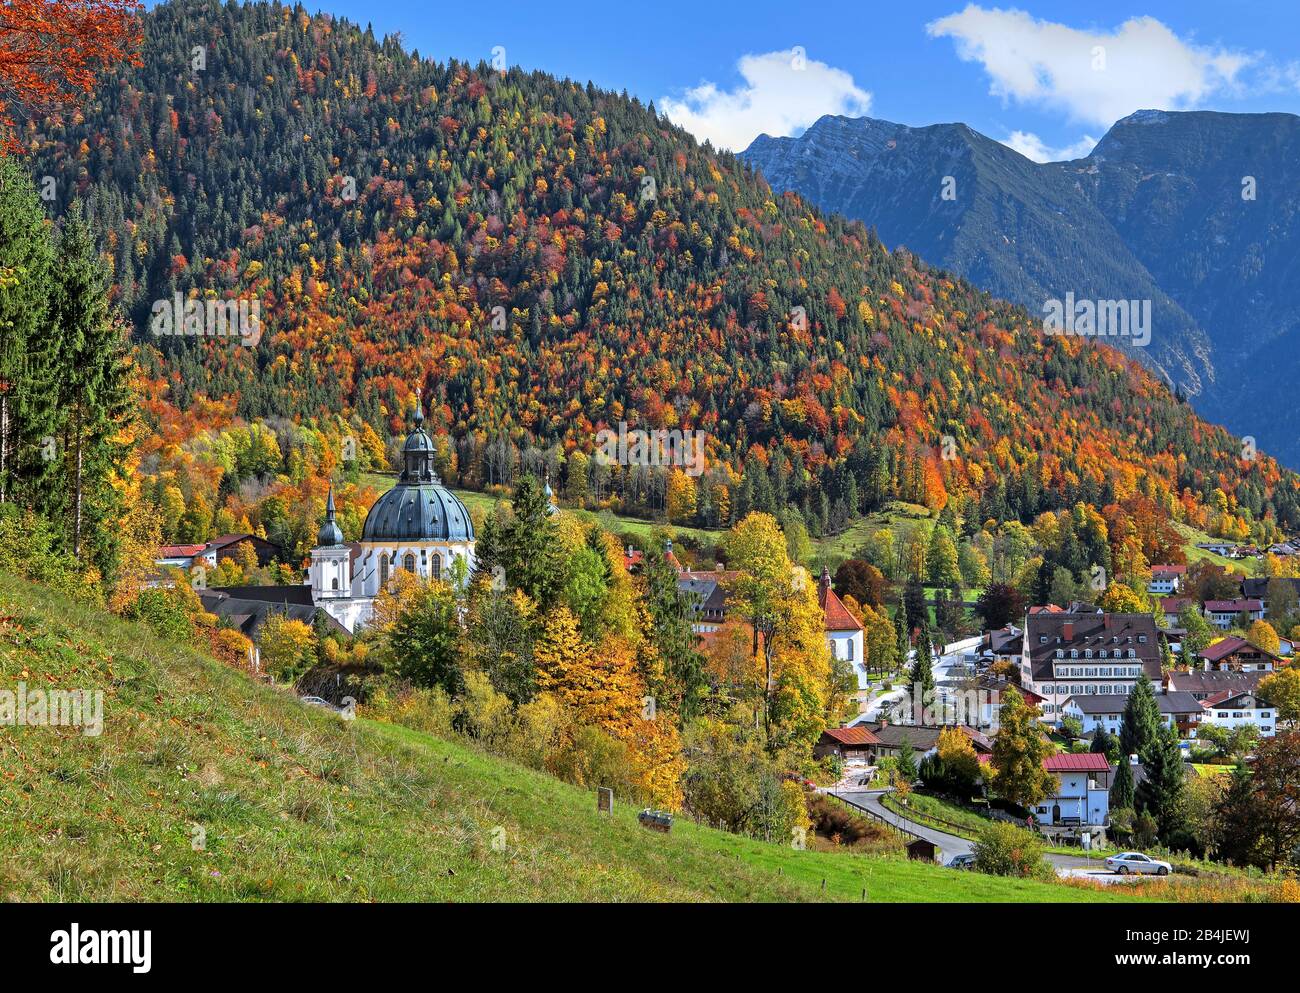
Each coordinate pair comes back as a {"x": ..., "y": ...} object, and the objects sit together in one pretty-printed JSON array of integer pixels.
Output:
[{"x": 51, "y": 50}]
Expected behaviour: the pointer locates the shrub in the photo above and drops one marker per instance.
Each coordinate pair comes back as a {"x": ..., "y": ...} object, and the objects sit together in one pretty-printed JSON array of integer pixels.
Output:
[
  {"x": 1006, "y": 850},
  {"x": 831, "y": 819},
  {"x": 165, "y": 612}
]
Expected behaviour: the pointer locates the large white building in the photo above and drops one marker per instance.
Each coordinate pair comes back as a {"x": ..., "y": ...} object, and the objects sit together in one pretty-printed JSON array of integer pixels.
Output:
[
  {"x": 1087, "y": 654},
  {"x": 419, "y": 525}
]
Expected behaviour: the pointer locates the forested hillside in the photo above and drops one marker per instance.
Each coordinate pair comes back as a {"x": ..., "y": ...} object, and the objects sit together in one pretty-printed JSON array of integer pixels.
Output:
[{"x": 543, "y": 259}]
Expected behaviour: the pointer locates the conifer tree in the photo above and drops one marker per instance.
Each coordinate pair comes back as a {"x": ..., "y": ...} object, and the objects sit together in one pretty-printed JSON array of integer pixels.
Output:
[
  {"x": 93, "y": 397},
  {"x": 1141, "y": 718},
  {"x": 28, "y": 424},
  {"x": 1121, "y": 791},
  {"x": 1160, "y": 793}
]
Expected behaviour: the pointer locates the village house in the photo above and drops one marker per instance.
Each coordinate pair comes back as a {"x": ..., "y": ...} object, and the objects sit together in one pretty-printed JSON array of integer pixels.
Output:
[
  {"x": 1232, "y": 709},
  {"x": 708, "y": 599},
  {"x": 852, "y": 745},
  {"x": 1086, "y": 654},
  {"x": 1205, "y": 683},
  {"x": 1226, "y": 613},
  {"x": 1172, "y": 606},
  {"x": 1178, "y": 709},
  {"x": 1081, "y": 796},
  {"x": 923, "y": 739},
  {"x": 1166, "y": 579},
  {"x": 209, "y": 554},
  {"x": 1239, "y": 655}
]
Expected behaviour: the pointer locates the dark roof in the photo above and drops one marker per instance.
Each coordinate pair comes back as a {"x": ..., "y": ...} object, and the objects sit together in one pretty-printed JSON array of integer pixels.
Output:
[
  {"x": 1258, "y": 588},
  {"x": 1231, "y": 645},
  {"x": 1213, "y": 680},
  {"x": 1005, "y": 640},
  {"x": 1089, "y": 631},
  {"x": 249, "y": 615},
  {"x": 233, "y": 539},
  {"x": 708, "y": 594},
  {"x": 418, "y": 512},
  {"x": 1174, "y": 702},
  {"x": 1240, "y": 605},
  {"x": 923, "y": 737},
  {"x": 1244, "y": 700},
  {"x": 299, "y": 593}
]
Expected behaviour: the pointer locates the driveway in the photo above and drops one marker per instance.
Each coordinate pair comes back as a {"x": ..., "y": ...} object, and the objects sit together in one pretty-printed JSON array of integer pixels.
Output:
[{"x": 869, "y": 800}]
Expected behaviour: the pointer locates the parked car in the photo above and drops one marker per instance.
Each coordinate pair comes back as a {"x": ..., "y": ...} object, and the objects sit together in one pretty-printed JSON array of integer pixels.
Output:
[
  {"x": 315, "y": 701},
  {"x": 1136, "y": 862},
  {"x": 962, "y": 862}
]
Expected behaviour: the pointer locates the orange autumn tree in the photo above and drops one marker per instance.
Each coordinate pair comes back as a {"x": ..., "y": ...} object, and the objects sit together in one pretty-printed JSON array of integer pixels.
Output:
[
  {"x": 602, "y": 688},
  {"x": 52, "y": 50}
]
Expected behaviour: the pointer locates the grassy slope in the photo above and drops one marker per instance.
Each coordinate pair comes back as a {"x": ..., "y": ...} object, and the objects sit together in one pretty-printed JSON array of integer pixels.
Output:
[{"x": 300, "y": 805}]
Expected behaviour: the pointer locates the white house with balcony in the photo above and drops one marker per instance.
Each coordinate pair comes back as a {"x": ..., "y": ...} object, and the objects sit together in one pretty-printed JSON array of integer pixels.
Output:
[
  {"x": 1081, "y": 797},
  {"x": 1233, "y": 709}
]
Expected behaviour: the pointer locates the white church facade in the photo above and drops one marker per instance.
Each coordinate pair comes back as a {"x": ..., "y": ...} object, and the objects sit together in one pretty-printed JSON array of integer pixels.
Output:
[{"x": 419, "y": 525}]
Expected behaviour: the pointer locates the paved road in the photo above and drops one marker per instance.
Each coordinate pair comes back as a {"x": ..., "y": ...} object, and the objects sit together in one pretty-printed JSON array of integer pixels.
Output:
[
  {"x": 951, "y": 845},
  {"x": 869, "y": 800}
]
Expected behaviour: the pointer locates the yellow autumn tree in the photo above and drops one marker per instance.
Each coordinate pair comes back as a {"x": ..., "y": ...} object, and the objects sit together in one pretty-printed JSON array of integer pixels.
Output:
[
  {"x": 1261, "y": 635},
  {"x": 679, "y": 502},
  {"x": 602, "y": 689},
  {"x": 779, "y": 601}
]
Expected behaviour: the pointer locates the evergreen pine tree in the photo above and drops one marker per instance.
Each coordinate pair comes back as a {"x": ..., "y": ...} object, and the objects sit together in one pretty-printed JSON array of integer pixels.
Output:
[
  {"x": 1160, "y": 793},
  {"x": 28, "y": 412},
  {"x": 1121, "y": 791},
  {"x": 1141, "y": 718},
  {"x": 93, "y": 398},
  {"x": 922, "y": 674},
  {"x": 672, "y": 615}
]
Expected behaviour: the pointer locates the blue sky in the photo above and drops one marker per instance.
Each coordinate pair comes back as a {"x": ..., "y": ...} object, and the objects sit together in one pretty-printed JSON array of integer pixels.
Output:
[{"x": 1043, "y": 76}]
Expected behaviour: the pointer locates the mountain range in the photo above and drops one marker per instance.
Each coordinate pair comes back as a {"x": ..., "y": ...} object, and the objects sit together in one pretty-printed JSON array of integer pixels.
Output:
[{"x": 1197, "y": 212}]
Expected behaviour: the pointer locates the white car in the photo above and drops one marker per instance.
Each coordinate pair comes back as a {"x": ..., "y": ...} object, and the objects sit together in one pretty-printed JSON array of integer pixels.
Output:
[{"x": 1136, "y": 862}]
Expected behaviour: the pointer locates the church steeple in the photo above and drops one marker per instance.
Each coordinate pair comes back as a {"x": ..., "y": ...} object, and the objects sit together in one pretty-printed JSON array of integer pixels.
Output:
[{"x": 330, "y": 533}]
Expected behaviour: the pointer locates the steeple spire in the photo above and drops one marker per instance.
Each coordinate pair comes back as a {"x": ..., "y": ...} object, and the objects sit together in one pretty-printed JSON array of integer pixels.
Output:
[
  {"x": 330, "y": 533},
  {"x": 418, "y": 417}
]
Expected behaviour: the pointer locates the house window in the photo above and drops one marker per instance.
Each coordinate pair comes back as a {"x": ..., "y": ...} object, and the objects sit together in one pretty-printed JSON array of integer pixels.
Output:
[{"x": 383, "y": 569}]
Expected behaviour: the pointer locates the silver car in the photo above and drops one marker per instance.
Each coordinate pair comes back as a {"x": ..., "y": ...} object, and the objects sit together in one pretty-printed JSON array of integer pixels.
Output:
[{"x": 1136, "y": 862}]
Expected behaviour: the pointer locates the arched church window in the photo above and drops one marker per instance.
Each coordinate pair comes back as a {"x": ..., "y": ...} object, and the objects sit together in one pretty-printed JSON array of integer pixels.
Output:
[
  {"x": 336, "y": 582},
  {"x": 383, "y": 569},
  {"x": 408, "y": 563}
]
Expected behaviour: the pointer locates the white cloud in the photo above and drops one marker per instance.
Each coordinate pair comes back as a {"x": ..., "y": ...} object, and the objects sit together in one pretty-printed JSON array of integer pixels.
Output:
[
  {"x": 783, "y": 93},
  {"x": 1031, "y": 146},
  {"x": 1094, "y": 76}
]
